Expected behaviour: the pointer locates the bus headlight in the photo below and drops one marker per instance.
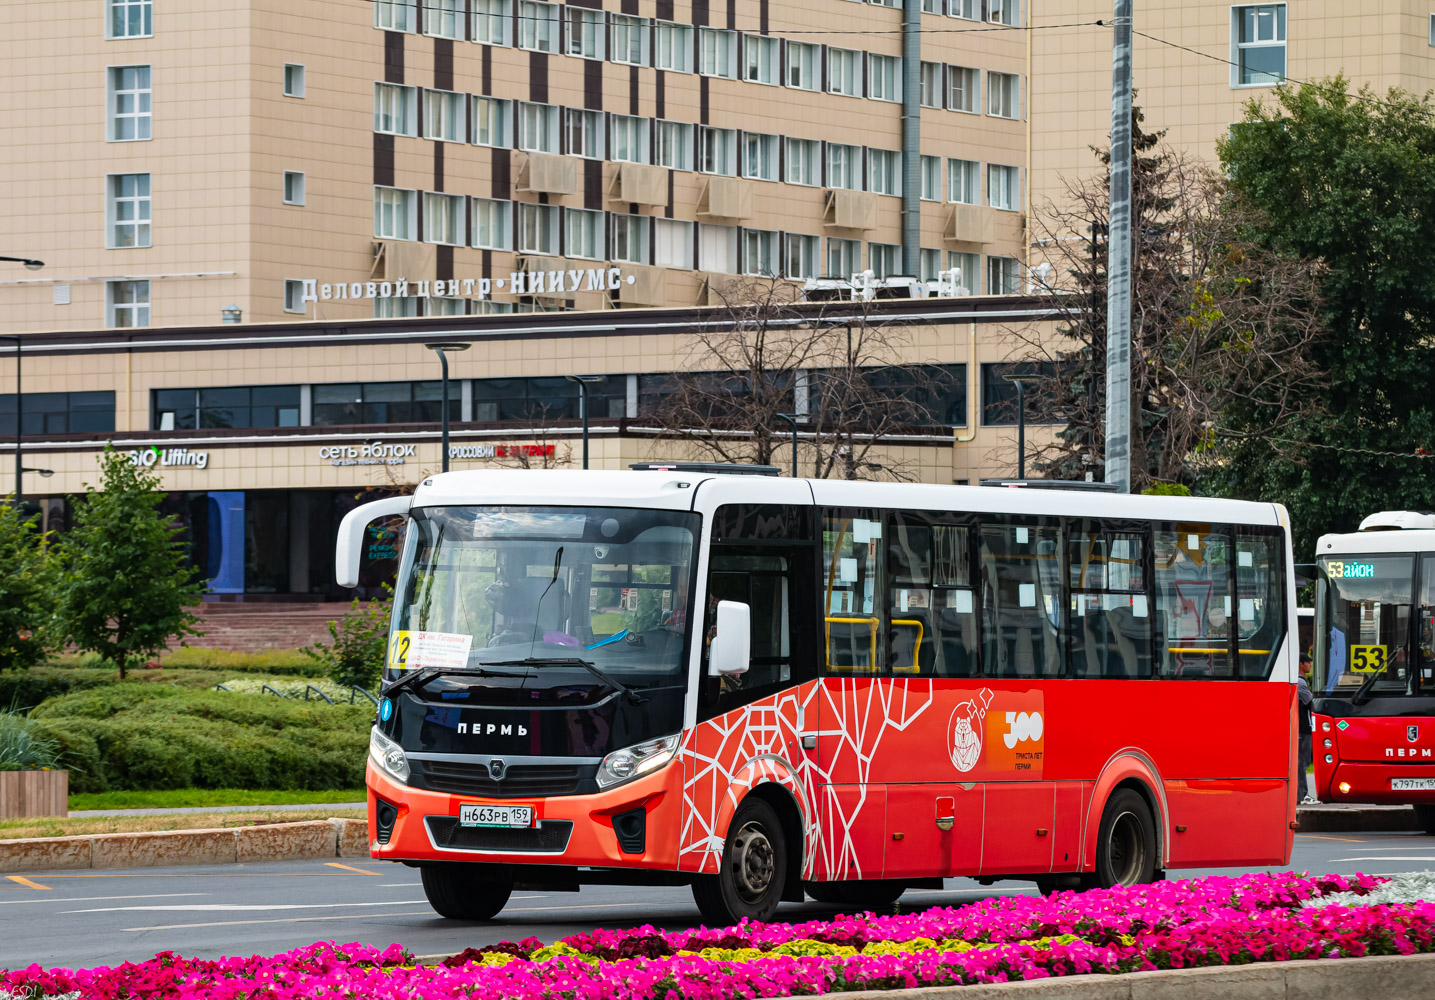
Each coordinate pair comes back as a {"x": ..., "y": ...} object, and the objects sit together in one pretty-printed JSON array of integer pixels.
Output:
[
  {"x": 630, "y": 762},
  {"x": 389, "y": 756},
  {"x": 1329, "y": 759},
  {"x": 1328, "y": 744}
]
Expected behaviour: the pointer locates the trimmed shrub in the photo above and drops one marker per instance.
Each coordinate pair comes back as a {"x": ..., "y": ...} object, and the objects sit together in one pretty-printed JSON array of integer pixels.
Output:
[
  {"x": 29, "y": 688},
  {"x": 284, "y": 662}
]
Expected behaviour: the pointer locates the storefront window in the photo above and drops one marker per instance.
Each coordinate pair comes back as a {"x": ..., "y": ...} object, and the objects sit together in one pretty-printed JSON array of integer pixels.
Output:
[
  {"x": 384, "y": 403},
  {"x": 60, "y": 412},
  {"x": 225, "y": 406}
]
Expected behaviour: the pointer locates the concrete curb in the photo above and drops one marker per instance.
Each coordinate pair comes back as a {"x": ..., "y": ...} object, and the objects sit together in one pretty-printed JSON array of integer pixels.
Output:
[
  {"x": 331, "y": 838},
  {"x": 1333, "y": 817}
]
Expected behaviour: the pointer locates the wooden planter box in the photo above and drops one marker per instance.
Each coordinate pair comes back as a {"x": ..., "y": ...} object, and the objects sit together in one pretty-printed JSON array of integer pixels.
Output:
[{"x": 34, "y": 793}]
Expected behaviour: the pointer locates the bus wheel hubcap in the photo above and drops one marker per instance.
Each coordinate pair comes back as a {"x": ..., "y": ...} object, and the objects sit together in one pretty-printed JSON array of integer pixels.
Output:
[
  {"x": 752, "y": 862},
  {"x": 1126, "y": 853}
]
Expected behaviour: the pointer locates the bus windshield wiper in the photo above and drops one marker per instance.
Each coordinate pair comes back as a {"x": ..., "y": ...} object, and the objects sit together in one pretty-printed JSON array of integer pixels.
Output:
[
  {"x": 1362, "y": 693},
  {"x": 572, "y": 661},
  {"x": 425, "y": 674}
]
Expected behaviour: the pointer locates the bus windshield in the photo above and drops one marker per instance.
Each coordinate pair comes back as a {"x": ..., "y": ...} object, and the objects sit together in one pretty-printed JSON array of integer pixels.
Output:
[
  {"x": 525, "y": 587},
  {"x": 1364, "y": 608}
]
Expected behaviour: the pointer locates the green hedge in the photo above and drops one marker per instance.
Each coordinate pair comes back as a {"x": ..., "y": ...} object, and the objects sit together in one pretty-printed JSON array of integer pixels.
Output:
[
  {"x": 138, "y": 737},
  {"x": 25, "y": 689},
  {"x": 283, "y": 662}
]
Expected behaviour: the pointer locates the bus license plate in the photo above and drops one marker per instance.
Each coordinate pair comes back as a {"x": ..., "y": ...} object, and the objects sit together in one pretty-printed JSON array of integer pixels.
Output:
[
  {"x": 1412, "y": 784},
  {"x": 504, "y": 816}
]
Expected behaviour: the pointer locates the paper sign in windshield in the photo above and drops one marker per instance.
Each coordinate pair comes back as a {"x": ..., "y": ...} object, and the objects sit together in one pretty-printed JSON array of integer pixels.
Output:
[{"x": 441, "y": 650}]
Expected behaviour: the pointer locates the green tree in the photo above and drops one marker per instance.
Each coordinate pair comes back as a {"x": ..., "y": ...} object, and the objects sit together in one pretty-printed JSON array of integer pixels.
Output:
[
  {"x": 27, "y": 591},
  {"x": 126, "y": 584},
  {"x": 358, "y": 646},
  {"x": 1347, "y": 180}
]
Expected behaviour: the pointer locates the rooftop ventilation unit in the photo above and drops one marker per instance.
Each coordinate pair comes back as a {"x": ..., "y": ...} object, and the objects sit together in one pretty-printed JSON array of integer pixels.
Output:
[{"x": 1395, "y": 520}]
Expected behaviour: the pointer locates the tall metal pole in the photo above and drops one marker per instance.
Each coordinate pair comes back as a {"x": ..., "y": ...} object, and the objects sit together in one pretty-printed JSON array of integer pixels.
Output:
[
  {"x": 443, "y": 360},
  {"x": 1118, "y": 261},
  {"x": 583, "y": 409},
  {"x": 1020, "y": 430},
  {"x": 911, "y": 138}
]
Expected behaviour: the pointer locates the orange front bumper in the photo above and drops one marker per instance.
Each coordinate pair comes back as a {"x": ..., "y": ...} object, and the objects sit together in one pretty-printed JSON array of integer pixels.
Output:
[{"x": 592, "y": 842}]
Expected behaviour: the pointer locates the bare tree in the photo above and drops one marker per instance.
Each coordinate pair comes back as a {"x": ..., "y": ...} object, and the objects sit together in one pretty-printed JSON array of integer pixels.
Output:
[{"x": 1219, "y": 324}]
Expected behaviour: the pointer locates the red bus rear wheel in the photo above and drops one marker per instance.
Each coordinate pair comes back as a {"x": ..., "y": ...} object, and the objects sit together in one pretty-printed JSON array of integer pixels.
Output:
[
  {"x": 465, "y": 892},
  {"x": 1126, "y": 844},
  {"x": 754, "y": 869}
]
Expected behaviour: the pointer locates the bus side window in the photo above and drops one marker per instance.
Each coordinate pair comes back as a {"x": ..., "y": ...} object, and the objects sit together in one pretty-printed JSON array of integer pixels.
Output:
[
  {"x": 1260, "y": 601},
  {"x": 761, "y": 580},
  {"x": 1021, "y": 600},
  {"x": 852, "y": 555},
  {"x": 1109, "y": 631},
  {"x": 1426, "y": 623},
  {"x": 932, "y": 621},
  {"x": 1193, "y": 601}
]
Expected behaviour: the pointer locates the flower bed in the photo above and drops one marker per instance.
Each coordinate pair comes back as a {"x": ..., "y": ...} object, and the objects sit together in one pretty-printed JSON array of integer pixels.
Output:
[{"x": 1212, "y": 921}]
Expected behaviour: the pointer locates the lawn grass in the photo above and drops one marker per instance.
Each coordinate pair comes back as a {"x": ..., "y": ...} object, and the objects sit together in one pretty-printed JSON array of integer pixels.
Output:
[
  {"x": 190, "y": 798},
  {"x": 55, "y": 826}
]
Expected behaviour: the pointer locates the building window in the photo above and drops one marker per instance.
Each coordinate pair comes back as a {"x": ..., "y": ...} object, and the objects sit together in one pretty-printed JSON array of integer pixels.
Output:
[
  {"x": 884, "y": 78},
  {"x": 884, "y": 171},
  {"x": 760, "y": 63},
  {"x": 630, "y": 139},
  {"x": 583, "y": 233},
  {"x": 537, "y": 26},
  {"x": 719, "y": 53},
  {"x": 395, "y": 213},
  {"x": 444, "y": 119},
  {"x": 970, "y": 10},
  {"x": 1003, "y": 187},
  {"x": 675, "y": 145},
  {"x": 759, "y": 252},
  {"x": 759, "y": 156},
  {"x": 673, "y": 244},
  {"x": 584, "y": 133},
  {"x": 538, "y": 229},
  {"x": 60, "y": 412},
  {"x": 1004, "y": 12},
  {"x": 931, "y": 170},
  {"x": 931, "y": 6},
  {"x": 964, "y": 181},
  {"x": 230, "y": 406},
  {"x": 844, "y": 72},
  {"x": 964, "y": 89},
  {"x": 999, "y": 393},
  {"x": 804, "y": 65},
  {"x": 1258, "y": 44},
  {"x": 630, "y": 238},
  {"x": 294, "y": 80},
  {"x": 717, "y": 249},
  {"x": 929, "y": 90},
  {"x": 443, "y": 219},
  {"x": 492, "y": 224},
  {"x": 538, "y": 128},
  {"x": 844, "y": 257},
  {"x": 969, "y": 274},
  {"x": 396, "y": 109},
  {"x": 129, "y": 212},
  {"x": 844, "y": 166},
  {"x": 395, "y": 307},
  {"x": 293, "y": 295},
  {"x": 804, "y": 162},
  {"x": 130, "y": 18},
  {"x": 491, "y": 22},
  {"x": 293, "y": 187},
  {"x": 717, "y": 151},
  {"x": 337, "y": 404},
  {"x": 546, "y": 398},
  {"x": 1003, "y": 276},
  {"x": 1432, "y": 29},
  {"x": 931, "y": 264},
  {"x": 800, "y": 256},
  {"x": 127, "y": 303},
  {"x": 129, "y": 103},
  {"x": 443, "y": 18},
  {"x": 630, "y": 40},
  {"x": 674, "y": 46},
  {"x": 885, "y": 259},
  {"x": 585, "y": 33},
  {"x": 492, "y": 122},
  {"x": 1003, "y": 95},
  {"x": 445, "y": 307},
  {"x": 396, "y": 15}
]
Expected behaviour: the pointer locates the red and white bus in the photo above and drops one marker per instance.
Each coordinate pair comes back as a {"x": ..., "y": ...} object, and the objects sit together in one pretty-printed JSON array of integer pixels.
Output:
[
  {"x": 764, "y": 687},
  {"x": 1374, "y": 666}
]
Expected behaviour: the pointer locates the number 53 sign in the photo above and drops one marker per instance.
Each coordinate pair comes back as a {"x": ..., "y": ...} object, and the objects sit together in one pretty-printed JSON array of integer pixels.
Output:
[{"x": 1367, "y": 659}]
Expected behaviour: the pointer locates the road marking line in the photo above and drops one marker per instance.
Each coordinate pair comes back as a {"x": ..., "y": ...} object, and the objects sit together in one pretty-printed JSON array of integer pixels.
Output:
[
  {"x": 281, "y": 920},
  {"x": 1400, "y": 858},
  {"x": 1343, "y": 840},
  {"x": 213, "y": 875},
  {"x": 350, "y": 868},
  {"x": 96, "y": 899},
  {"x": 243, "y": 907},
  {"x": 24, "y": 881}
]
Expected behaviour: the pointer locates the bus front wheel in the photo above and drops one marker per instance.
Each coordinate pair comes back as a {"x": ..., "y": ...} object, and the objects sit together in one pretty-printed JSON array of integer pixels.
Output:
[
  {"x": 465, "y": 892},
  {"x": 1126, "y": 844},
  {"x": 754, "y": 869}
]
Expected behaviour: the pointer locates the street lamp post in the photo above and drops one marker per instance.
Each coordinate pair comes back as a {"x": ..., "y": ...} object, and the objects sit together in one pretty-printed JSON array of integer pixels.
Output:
[
  {"x": 1020, "y": 382},
  {"x": 791, "y": 418},
  {"x": 583, "y": 381},
  {"x": 31, "y": 265},
  {"x": 440, "y": 350}
]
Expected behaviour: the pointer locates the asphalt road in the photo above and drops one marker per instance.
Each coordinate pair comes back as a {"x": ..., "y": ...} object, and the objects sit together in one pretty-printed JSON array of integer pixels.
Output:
[{"x": 90, "y": 918}]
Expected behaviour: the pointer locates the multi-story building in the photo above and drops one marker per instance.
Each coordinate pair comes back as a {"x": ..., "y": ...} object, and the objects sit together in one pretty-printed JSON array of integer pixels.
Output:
[{"x": 172, "y": 161}]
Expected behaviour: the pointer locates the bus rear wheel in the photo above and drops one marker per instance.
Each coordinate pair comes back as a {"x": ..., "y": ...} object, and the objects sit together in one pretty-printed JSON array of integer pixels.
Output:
[
  {"x": 1126, "y": 844},
  {"x": 1425, "y": 817},
  {"x": 754, "y": 869},
  {"x": 465, "y": 892}
]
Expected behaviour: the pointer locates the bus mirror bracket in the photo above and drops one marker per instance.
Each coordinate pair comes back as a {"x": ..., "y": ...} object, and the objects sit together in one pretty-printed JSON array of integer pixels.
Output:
[
  {"x": 732, "y": 645},
  {"x": 350, "y": 548}
]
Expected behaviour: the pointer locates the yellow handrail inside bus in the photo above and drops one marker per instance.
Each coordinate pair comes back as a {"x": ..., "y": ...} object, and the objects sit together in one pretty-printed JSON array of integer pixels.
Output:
[
  {"x": 872, "y": 661},
  {"x": 916, "y": 667},
  {"x": 1220, "y": 649}
]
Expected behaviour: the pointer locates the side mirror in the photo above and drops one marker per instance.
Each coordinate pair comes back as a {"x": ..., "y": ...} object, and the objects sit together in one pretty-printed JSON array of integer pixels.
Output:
[
  {"x": 350, "y": 546},
  {"x": 732, "y": 645}
]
